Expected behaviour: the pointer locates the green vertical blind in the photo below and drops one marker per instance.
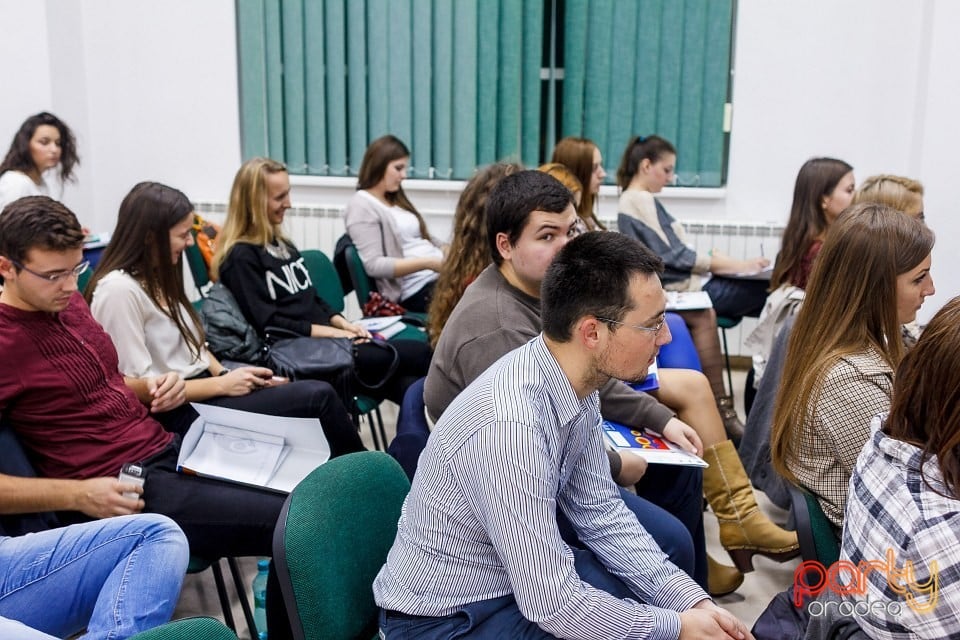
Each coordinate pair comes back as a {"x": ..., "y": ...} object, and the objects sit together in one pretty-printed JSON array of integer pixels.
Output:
[
  {"x": 650, "y": 66},
  {"x": 468, "y": 82}
]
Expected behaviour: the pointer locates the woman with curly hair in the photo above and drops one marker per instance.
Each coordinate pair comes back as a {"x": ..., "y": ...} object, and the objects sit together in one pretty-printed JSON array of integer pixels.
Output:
[
  {"x": 42, "y": 143},
  {"x": 469, "y": 253}
]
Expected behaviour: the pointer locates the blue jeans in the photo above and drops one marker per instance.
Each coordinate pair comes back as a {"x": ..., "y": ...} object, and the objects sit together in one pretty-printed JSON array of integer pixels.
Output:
[
  {"x": 669, "y": 532},
  {"x": 499, "y": 617},
  {"x": 679, "y": 490},
  {"x": 115, "y": 577}
]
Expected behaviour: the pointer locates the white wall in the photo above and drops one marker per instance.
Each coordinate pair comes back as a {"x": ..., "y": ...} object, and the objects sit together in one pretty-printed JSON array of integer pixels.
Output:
[{"x": 150, "y": 88}]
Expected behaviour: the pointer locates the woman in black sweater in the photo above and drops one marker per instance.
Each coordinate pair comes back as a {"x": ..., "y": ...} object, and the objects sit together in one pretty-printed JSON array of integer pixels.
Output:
[{"x": 272, "y": 286}]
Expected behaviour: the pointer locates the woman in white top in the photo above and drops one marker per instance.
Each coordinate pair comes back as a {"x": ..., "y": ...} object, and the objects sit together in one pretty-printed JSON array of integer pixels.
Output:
[
  {"x": 42, "y": 143},
  {"x": 388, "y": 231},
  {"x": 137, "y": 294}
]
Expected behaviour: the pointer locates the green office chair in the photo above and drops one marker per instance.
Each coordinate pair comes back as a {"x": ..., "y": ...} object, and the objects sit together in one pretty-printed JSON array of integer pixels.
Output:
[
  {"x": 188, "y": 629},
  {"x": 814, "y": 531},
  {"x": 363, "y": 284},
  {"x": 198, "y": 269},
  {"x": 198, "y": 565},
  {"x": 331, "y": 539},
  {"x": 325, "y": 281},
  {"x": 84, "y": 279}
]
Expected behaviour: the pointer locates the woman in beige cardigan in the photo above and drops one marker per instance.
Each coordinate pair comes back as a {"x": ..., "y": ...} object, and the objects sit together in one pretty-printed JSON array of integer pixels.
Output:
[{"x": 388, "y": 231}]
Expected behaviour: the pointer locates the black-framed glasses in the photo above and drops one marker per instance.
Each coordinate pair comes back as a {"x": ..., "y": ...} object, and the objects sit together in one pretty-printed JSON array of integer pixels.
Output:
[
  {"x": 654, "y": 329},
  {"x": 56, "y": 276}
]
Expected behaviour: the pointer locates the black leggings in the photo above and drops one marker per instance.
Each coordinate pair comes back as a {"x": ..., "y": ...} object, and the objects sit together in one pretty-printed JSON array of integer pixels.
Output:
[
  {"x": 303, "y": 399},
  {"x": 420, "y": 300},
  {"x": 372, "y": 362},
  {"x": 300, "y": 399}
]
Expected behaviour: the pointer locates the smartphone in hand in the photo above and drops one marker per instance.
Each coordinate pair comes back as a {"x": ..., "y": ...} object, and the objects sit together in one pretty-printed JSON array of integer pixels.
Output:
[{"x": 132, "y": 473}]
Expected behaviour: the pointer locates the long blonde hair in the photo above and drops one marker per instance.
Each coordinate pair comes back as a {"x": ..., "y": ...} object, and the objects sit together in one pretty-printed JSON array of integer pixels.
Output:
[
  {"x": 247, "y": 219},
  {"x": 850, "y": 306},
  {"x": 903, "y": 194}
]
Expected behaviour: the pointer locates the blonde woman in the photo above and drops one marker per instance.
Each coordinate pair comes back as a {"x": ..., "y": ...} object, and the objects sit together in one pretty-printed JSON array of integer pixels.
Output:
[
  {"x": 903, "y": 194},
  {"x": 266, "y": 274}
]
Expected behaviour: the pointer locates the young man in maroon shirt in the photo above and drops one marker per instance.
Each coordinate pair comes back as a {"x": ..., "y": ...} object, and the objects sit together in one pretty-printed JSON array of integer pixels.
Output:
[{"x": 78, "y": 417}]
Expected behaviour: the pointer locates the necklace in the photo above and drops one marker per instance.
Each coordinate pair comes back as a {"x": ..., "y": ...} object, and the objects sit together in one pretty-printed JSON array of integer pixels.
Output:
[{"x": 278, "y": 250}]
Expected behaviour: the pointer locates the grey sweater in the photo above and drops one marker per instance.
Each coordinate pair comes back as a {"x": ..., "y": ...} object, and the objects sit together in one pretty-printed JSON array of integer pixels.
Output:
[
  {"x": 374, "y": 233},
  {"x": 494, "y": 317}
]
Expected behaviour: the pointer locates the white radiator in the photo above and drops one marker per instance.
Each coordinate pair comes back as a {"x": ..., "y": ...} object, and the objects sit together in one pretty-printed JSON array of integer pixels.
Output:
[
  {"x": 308, "y": 227},
  {"x": 320, "y": 227},
  {"x": 739, "y": 240}
]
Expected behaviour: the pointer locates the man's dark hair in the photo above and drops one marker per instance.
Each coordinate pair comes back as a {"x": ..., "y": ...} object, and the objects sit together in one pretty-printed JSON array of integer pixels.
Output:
[
  {"x": 515, "y": 198},
  {"x": 37, "y": 222},
  {"x": 591, "y": 276}
]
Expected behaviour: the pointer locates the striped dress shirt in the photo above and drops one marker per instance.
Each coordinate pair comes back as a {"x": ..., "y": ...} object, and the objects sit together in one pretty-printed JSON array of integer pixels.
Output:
[{"x": 480, "y": 520}]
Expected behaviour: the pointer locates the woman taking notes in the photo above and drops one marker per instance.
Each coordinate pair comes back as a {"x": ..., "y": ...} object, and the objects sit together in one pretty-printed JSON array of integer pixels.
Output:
[
  {"x": 137, "y": 295},
  {"x": 646, "y": 168},
  {"x": 388, "y": 231}
]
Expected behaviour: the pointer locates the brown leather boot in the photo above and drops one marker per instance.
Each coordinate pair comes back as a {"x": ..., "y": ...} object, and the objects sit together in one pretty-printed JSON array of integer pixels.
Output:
[
  {"x": 722, "y": 578},
  {"x": 731, "y": 421},
  {"x": 744, "y": 530}
]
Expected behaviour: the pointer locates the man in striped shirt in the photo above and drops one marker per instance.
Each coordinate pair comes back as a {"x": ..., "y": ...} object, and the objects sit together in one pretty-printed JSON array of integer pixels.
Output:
[{"x": 478, "y": 552}]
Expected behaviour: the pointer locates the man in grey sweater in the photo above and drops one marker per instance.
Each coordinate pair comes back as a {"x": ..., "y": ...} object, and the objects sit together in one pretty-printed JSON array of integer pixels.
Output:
[{"x": 530, "y": 217}]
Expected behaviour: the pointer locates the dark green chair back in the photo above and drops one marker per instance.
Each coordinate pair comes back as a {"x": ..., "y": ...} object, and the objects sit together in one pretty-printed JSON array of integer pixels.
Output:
[
  {"x": 198, "y": 266},
  {"x": 188, "y": 629},
  {"x": 84, "y": 279},
  {"x": 324, "y": 277},
  {"x": 323, "y": 273},
  {"x": 814, "y": 531},
  {"x": 362, "y": 284},
  {"x": 331, "y": 539}
]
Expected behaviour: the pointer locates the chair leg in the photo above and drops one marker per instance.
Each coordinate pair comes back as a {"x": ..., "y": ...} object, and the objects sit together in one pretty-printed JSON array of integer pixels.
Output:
[
  {"x": 726, "y": 356},
  {"x": 383, "y": 432},
  {"x": 222, "y": 594},
  {"x": 373, "y": 431},
  {"x": 242, "y": 593}
]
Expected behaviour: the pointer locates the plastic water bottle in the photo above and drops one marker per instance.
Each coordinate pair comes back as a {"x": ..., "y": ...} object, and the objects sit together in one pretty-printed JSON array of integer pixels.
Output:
[{"x": 260, "y": 598}]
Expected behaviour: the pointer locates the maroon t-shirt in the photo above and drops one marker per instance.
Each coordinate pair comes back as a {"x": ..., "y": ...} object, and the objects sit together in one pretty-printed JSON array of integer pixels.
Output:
[
  {"x": 802, "y": 274},
  {"x": 61, "y": 389}
]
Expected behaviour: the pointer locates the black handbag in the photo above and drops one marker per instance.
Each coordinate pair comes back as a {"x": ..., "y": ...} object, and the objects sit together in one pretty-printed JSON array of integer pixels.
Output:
[{"x": 302, "y": 357}]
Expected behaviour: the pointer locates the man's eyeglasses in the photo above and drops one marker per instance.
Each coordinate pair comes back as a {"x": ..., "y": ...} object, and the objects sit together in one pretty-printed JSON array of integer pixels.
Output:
[
  {"x": 654, "y": 329},
  {"x": 56, "y": 276}
]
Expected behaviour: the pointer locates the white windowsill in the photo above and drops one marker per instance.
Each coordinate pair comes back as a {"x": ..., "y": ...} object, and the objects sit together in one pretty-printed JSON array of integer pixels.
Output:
[{"x": 456, "y": 186}]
